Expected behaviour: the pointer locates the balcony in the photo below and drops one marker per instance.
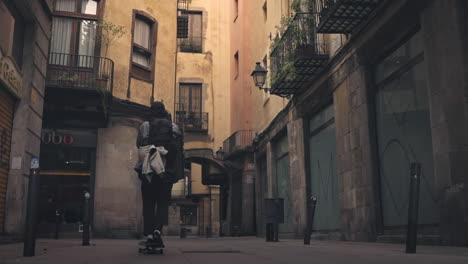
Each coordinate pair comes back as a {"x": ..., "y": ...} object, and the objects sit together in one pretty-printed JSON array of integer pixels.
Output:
[
  {"x": 79, "y": 90},
  {"x": 69, "y": 71},
  {"x": 240, "y": 141},
  {"x": 343, "y": 16},
  {"x": 191, "y": 44},
  {"x": 192, "y": 121},
  {"x": 297, "y": 56}
]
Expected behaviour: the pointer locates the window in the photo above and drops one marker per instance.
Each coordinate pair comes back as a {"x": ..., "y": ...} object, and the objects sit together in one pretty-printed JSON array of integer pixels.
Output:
[
  {"x": 236, "y": 65},
  {"x": 190, "y": 107},
  {"x": 74, "y": 32},
  {"x": 12, "y": 30},
  {"x": 144, "y": 45},
  {"x": 188, "y": 215},
  {"x": 193, "y": 43},
  {"x": 265, "y": 10}
]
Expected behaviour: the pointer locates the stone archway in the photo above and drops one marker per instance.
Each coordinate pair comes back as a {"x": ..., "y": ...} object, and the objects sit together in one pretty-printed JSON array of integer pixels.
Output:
[{"x": 214, "y": 171}]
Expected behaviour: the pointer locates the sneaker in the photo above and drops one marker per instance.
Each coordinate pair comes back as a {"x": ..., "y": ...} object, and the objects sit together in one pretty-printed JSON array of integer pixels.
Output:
[{"x": 157, "y": 239}]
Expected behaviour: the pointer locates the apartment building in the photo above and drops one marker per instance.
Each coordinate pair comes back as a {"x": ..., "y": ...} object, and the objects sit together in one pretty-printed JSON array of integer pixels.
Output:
[
  {"x": 358, "y": 92},
  {"x": 102, "y": 64}
]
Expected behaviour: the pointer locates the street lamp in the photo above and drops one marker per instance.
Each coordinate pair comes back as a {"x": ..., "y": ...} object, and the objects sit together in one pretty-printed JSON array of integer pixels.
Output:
[
  {"x": 220, "y": 154},
  {"x": 259, "y": 77}
]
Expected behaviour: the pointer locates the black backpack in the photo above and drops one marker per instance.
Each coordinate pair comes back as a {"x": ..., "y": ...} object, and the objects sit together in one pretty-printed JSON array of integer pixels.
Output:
[{"x": 160, "y": 131}]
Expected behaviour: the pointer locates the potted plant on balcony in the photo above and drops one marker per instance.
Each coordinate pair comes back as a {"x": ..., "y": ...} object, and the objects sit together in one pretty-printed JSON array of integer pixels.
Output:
[
  {"x": 67, "y": 79},
  {"x": 101, "y": 81}
]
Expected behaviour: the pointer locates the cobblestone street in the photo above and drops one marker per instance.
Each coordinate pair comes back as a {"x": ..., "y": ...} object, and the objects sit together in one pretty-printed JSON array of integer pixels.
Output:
[{"x": 230, "y": 250}]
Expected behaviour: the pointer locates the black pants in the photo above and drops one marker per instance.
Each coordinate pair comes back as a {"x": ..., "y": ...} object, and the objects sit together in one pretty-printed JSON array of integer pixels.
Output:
[{"x": 155, "y": 193}]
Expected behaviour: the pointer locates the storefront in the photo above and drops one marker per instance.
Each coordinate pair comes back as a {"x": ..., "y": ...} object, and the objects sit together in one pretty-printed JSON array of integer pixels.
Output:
[
  {"x": 283, "y": 181},
  {"x": 323, "y": 178},
  {"x": 404, "y": 133},
  {"x": 67, "y": 171},
  {"x": 10, "y": 91},
  {"x": 6, "y": 124}
]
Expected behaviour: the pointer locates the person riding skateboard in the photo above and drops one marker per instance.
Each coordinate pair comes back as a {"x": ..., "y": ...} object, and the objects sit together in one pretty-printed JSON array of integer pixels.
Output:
[{"x": 157, "y": 171}]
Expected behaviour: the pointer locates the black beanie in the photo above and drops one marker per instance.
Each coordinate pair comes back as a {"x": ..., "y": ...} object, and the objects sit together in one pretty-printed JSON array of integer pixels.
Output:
[{"x": 158, "y": 109}]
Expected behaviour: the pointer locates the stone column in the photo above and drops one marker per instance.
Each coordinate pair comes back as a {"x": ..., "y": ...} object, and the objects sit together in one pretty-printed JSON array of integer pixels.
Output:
[
  {"x": 297, "y": 174},
  {"x": 215, "y": 213},
  {"x": 248, "y": 196},
  {"x": 354, "y": 161},
  {"x": 445, "y": 34}
]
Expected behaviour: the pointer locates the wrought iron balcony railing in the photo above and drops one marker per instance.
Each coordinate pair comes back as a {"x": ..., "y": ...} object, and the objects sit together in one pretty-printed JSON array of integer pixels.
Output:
[
  {"x": 192, "y": 120},
  {"x": 297, "y": 56},
  {"x": 343, "y": 16},
  {"x": 240, "y": 140},
  {"x": 191, "y": 44},
  {"x": 71, "y": 71}
]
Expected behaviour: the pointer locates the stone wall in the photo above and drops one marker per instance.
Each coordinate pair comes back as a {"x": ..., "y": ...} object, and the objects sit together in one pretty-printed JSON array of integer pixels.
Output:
[
  {"x": 444, "y": 30},
  {"x": 354, "y": 162},
  {"x": 27, "y": 123}
]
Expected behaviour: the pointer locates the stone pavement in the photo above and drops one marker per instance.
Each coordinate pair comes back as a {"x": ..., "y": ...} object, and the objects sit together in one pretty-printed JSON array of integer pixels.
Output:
[{"x": 243, "y": 250}]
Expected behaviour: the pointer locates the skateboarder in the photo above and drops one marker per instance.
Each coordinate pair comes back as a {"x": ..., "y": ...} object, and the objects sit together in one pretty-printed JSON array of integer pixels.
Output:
[{"x": 156, "y": 142}]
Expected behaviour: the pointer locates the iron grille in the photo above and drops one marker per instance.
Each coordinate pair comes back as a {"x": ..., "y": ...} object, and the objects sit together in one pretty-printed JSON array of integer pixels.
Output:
[
  {"x": 297, "y": 57},
  {"x": 343, "y": 16},
  {"x": 80, "y": 72},
  {"x": 240, "y": 140},
  {"x": 192, "y": 120},
  {"x": 191, "y": 44}
]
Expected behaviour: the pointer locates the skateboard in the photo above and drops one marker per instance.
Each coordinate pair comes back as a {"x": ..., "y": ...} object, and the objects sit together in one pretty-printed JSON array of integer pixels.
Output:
[{"x": 151, "y": 249}]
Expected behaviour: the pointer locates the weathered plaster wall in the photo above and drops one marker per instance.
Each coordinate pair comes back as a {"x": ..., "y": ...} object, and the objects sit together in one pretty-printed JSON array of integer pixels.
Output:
[
  {"x": 120, "y": 51},
  {"x": 209, "y": 68},
  {"x": 117, "y": 202},
  {"x": 261, "y": 30},
  {"x": 196, "y": 180}
]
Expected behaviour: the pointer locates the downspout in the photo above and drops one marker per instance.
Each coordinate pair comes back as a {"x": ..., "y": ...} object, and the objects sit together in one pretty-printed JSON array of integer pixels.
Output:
[{"x": 175, "y": 68}]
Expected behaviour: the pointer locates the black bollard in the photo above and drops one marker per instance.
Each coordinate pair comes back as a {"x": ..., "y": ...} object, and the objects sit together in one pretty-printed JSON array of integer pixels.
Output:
[
  {"x": 275, "y": 232},
  {"x": 183, "y": 233},
  {"x": 269, "y": 232},
  {"x": 310, "y": 221},
  {"x": 87, "y": 195},
  {"x": 412, "y": 233},
  {"x": 31, "y": 210},
  {"x": 58, "y": 220}
]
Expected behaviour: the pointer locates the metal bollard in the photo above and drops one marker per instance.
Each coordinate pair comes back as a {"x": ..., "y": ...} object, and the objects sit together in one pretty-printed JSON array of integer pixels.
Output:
[
  {"x": 269, "y": 232},
  {"x": 58, "y": 219},
  {"x": 208, "y": 232},
  {"x": 87, "y": 195},
  {"x": 275, "y": 232},
  {"x": 183, "y": 233},
  {"x": 31, "y": 210},
  {"x": 412, "y": 234},
  {"x": 310, "y": 221}
]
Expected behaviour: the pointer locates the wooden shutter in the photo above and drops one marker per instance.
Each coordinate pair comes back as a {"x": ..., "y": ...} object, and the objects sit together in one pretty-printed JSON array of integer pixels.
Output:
[{"x": 6, "y": 125}]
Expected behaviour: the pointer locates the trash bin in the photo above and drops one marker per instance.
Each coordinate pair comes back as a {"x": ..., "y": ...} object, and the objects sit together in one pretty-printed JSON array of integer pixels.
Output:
[{"x": 273, "y": 215}]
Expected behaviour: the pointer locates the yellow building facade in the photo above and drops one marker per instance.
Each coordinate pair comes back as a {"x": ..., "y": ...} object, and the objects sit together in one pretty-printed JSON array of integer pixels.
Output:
[{"x": 108, "y": 61}]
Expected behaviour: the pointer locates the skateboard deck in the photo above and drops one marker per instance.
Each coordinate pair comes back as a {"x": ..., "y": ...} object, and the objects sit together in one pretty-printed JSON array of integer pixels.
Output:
[{"x": 150, "y": 249}]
